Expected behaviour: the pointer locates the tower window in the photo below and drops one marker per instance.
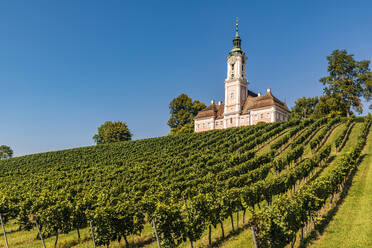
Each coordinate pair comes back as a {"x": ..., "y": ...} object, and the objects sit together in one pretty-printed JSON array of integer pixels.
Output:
[
  {"x": 232, "y": 96},
  {"x": 232, "y": 70}
]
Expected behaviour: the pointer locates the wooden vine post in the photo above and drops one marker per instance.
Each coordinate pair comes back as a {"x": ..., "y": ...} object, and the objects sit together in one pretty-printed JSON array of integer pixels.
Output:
[
  {"x": 2, "y": 224},
  {"x": 91, "y": 230},
  {"x": 156, "y": 233},
  {"x": 254, "y": 237},
  {"x": 38, "y": 229}
]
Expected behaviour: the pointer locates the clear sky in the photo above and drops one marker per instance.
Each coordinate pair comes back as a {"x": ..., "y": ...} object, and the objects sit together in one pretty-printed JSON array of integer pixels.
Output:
[{"x": 68, "y": 66}]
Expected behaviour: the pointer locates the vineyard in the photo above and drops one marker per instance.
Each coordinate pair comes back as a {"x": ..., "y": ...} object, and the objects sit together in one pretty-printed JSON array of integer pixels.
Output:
[{"x": 270, "y": 183}]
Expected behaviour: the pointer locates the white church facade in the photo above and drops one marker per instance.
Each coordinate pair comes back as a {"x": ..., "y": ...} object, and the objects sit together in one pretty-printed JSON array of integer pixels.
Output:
[{"x": 242, "y": 107}]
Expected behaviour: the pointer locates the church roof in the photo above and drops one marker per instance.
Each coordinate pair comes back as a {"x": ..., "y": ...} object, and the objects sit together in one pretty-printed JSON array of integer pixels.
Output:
[
  {"x": 213, "y": 110},
  {"x": 252, "y": 102},
  {"x": 251, "y": 93},
  {"x": 263, "y": 101}
]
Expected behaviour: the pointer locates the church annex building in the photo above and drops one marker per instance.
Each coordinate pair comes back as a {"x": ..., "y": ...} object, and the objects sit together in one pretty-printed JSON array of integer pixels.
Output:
[{"x": 242, "y": 107}]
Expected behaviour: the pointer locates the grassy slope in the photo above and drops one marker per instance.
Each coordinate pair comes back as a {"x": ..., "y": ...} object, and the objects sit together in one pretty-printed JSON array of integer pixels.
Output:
[{"x": 351, "y": 226}]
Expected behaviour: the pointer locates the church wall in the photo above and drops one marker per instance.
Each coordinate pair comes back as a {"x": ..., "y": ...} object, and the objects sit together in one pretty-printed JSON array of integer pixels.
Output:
[
  {"x": 205, "y": 124},
  {"x": 262, "y": 115},
  {"x": 219, "y": 124}
]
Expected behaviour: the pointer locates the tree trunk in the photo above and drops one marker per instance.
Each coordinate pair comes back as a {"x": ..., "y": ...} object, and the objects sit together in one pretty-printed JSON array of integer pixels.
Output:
[
  {"x": 55, "y": 243},
  {"x": 237, "y": 220},
  {"x": 126, "y": 241},
  {"x": 78, "y": 233},
  {"x": 232, "y": 222},
  {"x": 210, "y": 236},
  {"x": 222, "y": 230},
  {"x": 191, "y": 243},
  {"x": 243, "y": 216},
  {"x": 293, "y": 242}
]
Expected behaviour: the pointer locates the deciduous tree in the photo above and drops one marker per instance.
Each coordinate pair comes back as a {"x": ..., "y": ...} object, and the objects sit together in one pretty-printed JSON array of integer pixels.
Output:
[
  {"x": 5, "y": 152},
  {"x": 304, "y": 107},
  {"x": 348, "y": 80},
  {"x": 111, "y": 132},
  {"x": 183, "y": 110}
]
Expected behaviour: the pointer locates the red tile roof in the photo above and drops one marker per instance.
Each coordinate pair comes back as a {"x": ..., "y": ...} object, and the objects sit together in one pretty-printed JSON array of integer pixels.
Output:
[
  {"x": 263, "y": 101},
  {"x": 213, "y": 110},
  {"x": 252, "y": 102}
]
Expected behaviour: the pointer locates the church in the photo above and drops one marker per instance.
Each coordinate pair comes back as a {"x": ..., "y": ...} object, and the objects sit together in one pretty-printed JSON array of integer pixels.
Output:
[{"x": 242, "y": 107}]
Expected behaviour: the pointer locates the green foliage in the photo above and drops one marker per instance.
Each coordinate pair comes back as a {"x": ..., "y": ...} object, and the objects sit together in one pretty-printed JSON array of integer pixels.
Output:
[
  {"x": 5, "y": 152},
  {"x": 183, "y": 110},
  {"x": 347, "y": 82},
  {"x": 304, "y": 107},
  {"x": 316, "y": 141},
  {"x": 184, "y": 183},
  {"x": 344, "y": 134},
  {"x": 278, "y": 224},
  {"x": 110, "y": 132}
]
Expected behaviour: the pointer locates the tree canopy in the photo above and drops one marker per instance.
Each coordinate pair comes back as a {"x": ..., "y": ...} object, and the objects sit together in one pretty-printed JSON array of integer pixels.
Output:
[
  {"x": 5, "y": 152},
  {"x": 110, "y": 132},
  {"x": 304, "y": 107},
  {"x": 348, "y": 81},
  {"x": 183, "y": 110}
]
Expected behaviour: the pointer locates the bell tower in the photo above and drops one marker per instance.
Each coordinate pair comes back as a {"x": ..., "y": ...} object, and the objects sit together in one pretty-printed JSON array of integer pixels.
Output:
[{"x": 236, "y": 84}]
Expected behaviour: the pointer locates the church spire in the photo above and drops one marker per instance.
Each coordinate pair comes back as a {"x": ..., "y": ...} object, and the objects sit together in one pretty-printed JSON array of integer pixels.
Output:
[
  {"x": 237, "y": 27},
  {"x": 237, "y": 41}
]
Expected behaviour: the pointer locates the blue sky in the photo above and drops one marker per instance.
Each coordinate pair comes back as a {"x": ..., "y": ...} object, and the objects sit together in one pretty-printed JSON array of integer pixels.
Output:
[{"x": 68, "y": 66}]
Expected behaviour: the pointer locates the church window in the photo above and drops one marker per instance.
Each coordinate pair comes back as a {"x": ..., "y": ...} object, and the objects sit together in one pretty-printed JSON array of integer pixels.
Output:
[
  {"x": 255, "y": 117},
  {"x": 232, "y": 70},
  {"x": 262, "y": 116},
  {"x": 242, "y": 120},
  {"x": 268, "y": 115},
  {"x": 231, "y": 121},
  {"x": 198, "y": 126},
  {"x": 203, "y": 125},
  {"x": 232, "y": 96},
  {"x": 216, "y": 123},
  {"x": 221, "y": 123}
]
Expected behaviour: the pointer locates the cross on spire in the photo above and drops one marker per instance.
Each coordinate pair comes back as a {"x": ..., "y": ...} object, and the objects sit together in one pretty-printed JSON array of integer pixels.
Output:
[{"x": 237, "y": 26}]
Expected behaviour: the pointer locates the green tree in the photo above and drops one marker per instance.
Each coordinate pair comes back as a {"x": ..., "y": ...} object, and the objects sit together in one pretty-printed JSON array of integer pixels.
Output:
[
  {"x": 183, "y": 110},
  {"x": 348, "y": 80},
  {"x": 304, "y": 107},
  {"x": 5, "y": 152},
  {"x": 111, "y": 132},
  {"x": 330, "y": 106}
]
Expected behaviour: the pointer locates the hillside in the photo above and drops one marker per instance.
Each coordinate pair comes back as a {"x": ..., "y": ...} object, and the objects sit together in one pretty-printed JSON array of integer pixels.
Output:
[{"x": 196, "y": 189}]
